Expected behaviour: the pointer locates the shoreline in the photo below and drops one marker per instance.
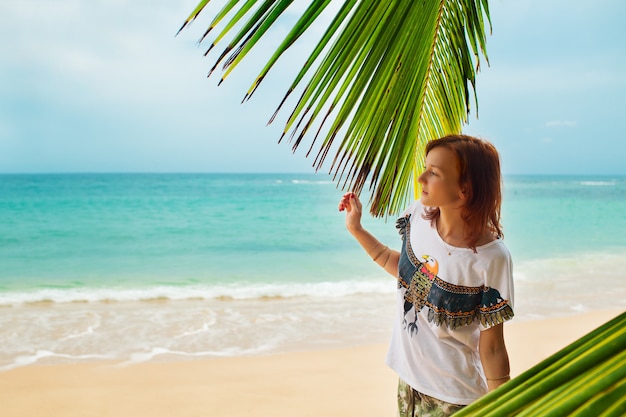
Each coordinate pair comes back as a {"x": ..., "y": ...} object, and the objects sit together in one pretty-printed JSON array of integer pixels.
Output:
[{"x": 330, "y": 382}]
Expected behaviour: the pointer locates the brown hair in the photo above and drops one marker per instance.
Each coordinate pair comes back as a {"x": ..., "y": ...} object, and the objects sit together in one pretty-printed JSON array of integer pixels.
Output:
[{"x": 479, "y": 176}]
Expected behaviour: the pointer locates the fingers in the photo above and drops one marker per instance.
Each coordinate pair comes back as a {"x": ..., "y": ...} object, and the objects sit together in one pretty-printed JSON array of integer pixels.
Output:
[
  {"x": 349, "y": 201},
  {"x": 344, "y": 202}
]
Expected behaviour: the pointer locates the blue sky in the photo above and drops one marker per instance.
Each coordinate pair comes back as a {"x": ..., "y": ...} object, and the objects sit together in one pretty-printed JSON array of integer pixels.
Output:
[{"x": 104, "y": 86}]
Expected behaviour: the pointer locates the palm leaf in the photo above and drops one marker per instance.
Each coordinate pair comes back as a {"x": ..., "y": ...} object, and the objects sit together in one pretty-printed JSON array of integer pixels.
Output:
[
  {"x": 586, "y": 378},
  {"x": 385, "y": 78}
]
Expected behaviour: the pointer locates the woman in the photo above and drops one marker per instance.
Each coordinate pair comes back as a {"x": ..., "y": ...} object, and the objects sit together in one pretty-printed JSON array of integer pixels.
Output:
[{"x": 455, "y": 287}]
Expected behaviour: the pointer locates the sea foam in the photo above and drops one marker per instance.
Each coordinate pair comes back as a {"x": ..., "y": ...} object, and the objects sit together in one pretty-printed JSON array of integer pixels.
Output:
[{"x": 239, "y": 291}]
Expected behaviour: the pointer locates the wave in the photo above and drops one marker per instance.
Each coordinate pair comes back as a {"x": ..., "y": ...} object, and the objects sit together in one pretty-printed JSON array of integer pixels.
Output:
[
  {"x": 314, "y": 182},
  {"x": 225, "y": 292},
  {"x": 39, "y": 355},
  {"x": 598, "y": 183}
]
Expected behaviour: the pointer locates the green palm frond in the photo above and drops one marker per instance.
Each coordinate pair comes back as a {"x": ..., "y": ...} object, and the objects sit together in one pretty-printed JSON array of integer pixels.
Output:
[
  {"x": 586, "y": 378},
  {"x": 386, "y": 77}
]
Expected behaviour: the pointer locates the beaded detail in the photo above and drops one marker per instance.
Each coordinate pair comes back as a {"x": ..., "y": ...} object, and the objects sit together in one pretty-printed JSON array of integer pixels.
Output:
[{"x": 448, "y": 304}]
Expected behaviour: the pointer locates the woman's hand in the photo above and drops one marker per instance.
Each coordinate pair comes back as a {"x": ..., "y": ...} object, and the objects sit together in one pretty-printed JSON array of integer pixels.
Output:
[
  {"x": 381, "y": 254},
  {"x": 352, "y": 205}
]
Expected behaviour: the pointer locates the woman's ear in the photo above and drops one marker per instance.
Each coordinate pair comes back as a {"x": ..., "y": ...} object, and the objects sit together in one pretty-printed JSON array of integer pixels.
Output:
[{"x": 463, "y": 193}]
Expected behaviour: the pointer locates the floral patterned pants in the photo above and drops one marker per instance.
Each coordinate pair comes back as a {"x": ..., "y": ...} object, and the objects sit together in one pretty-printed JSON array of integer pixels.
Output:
[{"x": 412, "y": 403}]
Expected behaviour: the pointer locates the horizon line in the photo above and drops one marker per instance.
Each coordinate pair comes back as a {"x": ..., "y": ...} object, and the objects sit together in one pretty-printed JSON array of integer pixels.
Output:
[{"x": 267, "y": 173}]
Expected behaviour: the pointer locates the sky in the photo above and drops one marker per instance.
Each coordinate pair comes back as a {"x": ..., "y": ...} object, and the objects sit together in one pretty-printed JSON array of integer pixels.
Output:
[{"x": 106, "y": 86}]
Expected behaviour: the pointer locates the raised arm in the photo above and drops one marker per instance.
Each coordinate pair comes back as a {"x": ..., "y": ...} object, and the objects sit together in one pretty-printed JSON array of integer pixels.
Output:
[{"x": 381, "y": 254}]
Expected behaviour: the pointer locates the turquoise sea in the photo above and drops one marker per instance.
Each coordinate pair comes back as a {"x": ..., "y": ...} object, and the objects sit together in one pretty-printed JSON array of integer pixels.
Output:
[{"x": 136, "y": 267}]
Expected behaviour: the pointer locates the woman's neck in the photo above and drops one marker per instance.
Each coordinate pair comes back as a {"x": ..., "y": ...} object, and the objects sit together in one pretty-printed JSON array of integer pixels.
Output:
[{"x": 451, "y": 227}]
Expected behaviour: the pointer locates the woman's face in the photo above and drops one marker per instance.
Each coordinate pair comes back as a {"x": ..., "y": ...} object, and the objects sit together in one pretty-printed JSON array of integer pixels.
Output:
[{"x": 440, "y": 180}]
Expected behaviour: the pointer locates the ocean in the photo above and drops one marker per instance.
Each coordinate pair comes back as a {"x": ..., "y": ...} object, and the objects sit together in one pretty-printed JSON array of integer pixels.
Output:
[{"x": 140, "y": 267}]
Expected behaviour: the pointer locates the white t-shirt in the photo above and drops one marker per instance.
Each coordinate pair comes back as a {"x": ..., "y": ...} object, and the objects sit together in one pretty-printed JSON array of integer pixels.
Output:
[{"x": 446, "y": 296}]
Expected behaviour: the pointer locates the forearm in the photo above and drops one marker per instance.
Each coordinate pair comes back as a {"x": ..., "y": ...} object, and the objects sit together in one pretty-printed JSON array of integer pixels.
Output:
[
  {"x": 494, "y": 357},
  {"x": 382, "y": 255},
  {"x": 496, "y": 367}
]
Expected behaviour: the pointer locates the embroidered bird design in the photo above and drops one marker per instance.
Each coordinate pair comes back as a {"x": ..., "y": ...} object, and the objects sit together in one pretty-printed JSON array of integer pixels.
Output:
[{"x": 431, "y": 264}]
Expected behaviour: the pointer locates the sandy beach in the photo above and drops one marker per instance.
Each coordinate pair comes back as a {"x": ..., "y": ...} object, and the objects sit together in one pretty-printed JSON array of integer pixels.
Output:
[{"x": 345, "y": 382}]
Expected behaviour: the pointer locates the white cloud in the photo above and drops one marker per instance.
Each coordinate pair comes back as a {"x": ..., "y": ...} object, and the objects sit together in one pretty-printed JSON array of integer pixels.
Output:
[{"x": 117, "y": 65}]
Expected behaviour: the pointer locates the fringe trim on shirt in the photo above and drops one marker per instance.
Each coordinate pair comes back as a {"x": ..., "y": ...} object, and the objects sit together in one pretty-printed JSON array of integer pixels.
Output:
[{"x": 449, "y": 304}]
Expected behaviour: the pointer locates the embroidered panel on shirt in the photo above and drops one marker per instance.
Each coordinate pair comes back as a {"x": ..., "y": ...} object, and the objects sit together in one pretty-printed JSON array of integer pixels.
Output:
[{"x": 449, "y": 304}]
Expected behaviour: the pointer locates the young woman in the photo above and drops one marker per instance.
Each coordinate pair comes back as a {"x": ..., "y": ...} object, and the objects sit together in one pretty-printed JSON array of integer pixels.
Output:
[{"x": 454, "y": 273}]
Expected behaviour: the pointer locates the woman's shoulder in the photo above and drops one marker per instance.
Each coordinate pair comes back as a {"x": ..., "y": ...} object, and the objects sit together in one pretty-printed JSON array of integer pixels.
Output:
[
  {"x": 416, "y": 207},
  {"x": 495, "y": 250}
]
